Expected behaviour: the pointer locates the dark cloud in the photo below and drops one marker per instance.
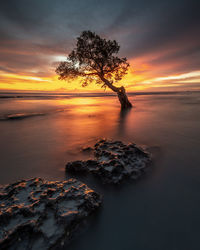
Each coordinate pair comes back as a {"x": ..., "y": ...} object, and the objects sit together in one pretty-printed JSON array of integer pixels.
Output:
[
  {"x": 7, "y": 70},
  {"x": 33, "y": 31}
]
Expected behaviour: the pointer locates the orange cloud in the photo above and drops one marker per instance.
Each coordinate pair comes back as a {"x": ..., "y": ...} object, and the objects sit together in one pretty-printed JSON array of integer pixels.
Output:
[{"x": 142, "y": 76}]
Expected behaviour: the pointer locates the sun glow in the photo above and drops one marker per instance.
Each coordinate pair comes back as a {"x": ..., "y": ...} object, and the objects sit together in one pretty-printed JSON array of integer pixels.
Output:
[
  {"x": 179, "y": 77},
  {"x": 139, "y": 78},
  {"x": 23, "y": 77}
]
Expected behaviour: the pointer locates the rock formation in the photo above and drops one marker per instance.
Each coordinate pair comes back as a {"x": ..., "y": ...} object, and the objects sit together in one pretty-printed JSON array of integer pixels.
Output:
[
  {"x": 113, "y": 162},
  {"x": 38, "y": 214}
]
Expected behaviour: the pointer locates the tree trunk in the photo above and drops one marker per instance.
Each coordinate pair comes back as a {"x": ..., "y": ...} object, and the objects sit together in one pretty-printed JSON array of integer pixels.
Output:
[
  {"x": 125, "y": 104},
  {"x": 121, "y": 92}
]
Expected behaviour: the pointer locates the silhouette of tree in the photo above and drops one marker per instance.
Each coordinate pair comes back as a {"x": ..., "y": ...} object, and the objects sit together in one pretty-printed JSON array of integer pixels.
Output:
[{"x": 94, "y": 60}]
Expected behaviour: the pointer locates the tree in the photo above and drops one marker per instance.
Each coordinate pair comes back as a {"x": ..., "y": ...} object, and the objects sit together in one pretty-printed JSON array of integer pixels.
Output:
[{"x": 94, "y": 59}]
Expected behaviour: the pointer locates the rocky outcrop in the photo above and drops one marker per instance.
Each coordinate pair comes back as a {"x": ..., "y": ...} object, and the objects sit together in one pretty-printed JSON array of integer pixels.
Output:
[
  {"x": 38, "y": 214},
  {"x": 113, "y": 162}
]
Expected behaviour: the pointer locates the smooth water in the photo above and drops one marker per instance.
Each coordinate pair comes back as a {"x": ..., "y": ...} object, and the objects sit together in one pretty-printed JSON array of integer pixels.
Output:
[{"x": 39, "y": 135}]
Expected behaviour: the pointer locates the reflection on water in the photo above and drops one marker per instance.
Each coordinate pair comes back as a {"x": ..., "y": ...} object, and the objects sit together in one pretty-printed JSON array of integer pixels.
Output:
[
  {"x": 41, "y": 145},
  {"x": 71, "y": 123},
  {"x": 160, "y": 211},
  {"x": 123, "y": 116}
]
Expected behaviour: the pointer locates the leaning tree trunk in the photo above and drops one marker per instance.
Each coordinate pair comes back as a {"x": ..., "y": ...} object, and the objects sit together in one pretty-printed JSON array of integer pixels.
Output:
[
  {"x": 123, "y": 98},
  {"x": 121, "y": 92}
]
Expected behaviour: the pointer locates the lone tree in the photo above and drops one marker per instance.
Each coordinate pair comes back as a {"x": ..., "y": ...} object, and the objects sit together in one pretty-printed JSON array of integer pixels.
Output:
[{"x": 94, "y": 59}]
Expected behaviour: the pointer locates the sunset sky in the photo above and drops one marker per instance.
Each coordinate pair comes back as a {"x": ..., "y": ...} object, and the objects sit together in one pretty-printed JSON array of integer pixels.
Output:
[{"x": 161, "y": 40}]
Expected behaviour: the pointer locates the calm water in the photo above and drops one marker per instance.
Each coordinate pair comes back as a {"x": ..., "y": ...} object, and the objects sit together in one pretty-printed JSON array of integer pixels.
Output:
[{"x": 159, "y": 212}]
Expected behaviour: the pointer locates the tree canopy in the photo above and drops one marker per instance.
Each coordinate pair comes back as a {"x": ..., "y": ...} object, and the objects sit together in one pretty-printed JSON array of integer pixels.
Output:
[{"x": 94, "y": 59}]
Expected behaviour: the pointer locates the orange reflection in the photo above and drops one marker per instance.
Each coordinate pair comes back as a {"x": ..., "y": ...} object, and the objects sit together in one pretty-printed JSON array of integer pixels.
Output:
[
  {"x": 85, "y": 119},
  {"x": 78, "y": 101}
]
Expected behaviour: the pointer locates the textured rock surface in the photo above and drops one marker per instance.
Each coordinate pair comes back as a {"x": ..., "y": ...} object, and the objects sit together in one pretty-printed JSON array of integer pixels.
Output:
[
  {"x": 37, "y": 214},
  {"x": 114, "y": 161}
]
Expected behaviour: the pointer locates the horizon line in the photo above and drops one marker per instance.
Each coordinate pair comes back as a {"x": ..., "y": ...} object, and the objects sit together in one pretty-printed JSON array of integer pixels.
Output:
[{"x": 92, "y": 93}]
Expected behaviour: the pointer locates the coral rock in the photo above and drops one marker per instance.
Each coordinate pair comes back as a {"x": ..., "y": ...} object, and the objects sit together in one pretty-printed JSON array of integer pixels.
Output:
[
  {"x": 114, "y": 161},
  {"x": 38, "y": 214}
]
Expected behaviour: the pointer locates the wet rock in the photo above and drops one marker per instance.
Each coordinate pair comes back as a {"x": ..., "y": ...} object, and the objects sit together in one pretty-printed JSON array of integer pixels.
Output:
[
  {"x": 38, "y": 214},
  {"x": 87, "y": 149},
  {"x": 114, "y": 161},
  {"x": 76, "y": 166}
]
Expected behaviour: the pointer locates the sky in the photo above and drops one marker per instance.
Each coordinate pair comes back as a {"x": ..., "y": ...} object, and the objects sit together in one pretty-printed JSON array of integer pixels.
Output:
[{"x": 161, "y": 40}]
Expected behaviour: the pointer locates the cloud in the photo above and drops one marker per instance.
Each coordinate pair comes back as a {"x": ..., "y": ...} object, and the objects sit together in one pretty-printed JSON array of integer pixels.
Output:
[{"x": 163, "y": 35}]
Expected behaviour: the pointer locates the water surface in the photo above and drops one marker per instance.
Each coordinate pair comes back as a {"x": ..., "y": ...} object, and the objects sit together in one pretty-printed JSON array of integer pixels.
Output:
[{"x": 161, "y": 211}]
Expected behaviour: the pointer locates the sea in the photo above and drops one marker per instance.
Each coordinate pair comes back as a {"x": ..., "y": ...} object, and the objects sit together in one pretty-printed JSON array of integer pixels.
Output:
[{"x": 41, "y": 132}]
